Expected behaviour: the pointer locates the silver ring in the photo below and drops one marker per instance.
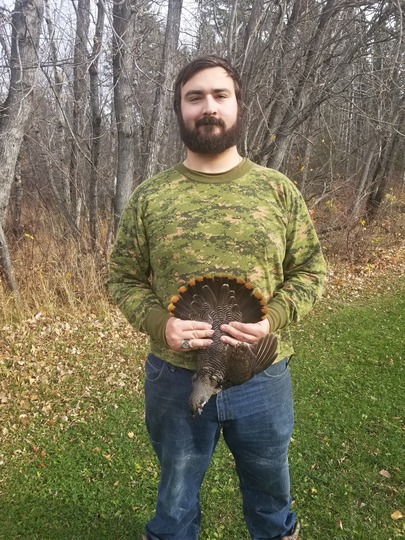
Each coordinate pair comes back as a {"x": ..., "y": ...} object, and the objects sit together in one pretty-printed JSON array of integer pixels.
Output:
[{"x": 185, "y": 344}]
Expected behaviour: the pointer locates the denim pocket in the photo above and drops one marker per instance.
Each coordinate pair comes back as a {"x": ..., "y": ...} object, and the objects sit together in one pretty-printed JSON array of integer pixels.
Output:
[
  {"x": 277, "y": 370},
  {"x": 154, "y": 367}
]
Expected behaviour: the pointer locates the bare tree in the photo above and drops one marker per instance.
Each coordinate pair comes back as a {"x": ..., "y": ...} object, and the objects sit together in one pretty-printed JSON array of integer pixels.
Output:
[
  {"x": 162, "y": 94},
  {"x": 58, "y": 170},
  {"x": 95, "y": 122},
  {"x": 16, "y": 110},
  {"x": 78, "y": 160},
  {"x": 384, "y": 166},
  {"x": 123, "y": 68}
]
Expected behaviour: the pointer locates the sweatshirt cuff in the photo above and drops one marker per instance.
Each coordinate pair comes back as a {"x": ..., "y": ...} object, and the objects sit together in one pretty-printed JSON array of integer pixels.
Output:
[
  {"x": 155, "y": 323},
  {"x": 277, "y": 316}
]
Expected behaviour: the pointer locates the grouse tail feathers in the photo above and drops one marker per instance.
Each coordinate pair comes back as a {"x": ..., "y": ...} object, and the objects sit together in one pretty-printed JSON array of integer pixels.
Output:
[{"x": 204, "y": 294}]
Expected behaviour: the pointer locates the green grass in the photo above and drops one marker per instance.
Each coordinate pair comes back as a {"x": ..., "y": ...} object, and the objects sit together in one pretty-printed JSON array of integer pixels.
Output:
[
  {"x": 349, "y": 392},
  {"x": 78, "y": 465}
]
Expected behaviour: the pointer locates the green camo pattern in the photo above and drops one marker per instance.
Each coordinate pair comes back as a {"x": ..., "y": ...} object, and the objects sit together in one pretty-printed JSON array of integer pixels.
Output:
[{"x": 250, "y": 222}]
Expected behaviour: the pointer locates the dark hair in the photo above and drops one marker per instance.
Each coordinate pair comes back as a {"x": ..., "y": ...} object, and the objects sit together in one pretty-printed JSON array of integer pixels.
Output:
[{"x": 205, "y": 62}]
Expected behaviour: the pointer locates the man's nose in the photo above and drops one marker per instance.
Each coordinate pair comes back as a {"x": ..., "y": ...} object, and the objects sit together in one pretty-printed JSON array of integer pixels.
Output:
[{"x": 210, "y": 106}]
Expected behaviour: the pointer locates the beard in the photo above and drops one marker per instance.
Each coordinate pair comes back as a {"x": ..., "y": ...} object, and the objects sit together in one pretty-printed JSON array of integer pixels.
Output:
[{"x": 205, "y": 138}]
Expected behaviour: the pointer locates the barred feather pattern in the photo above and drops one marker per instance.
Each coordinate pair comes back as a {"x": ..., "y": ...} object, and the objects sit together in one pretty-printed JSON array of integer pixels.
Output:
[{"x": 220, "y": 300}]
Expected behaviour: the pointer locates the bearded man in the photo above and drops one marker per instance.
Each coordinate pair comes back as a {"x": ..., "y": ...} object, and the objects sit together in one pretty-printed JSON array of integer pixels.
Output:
[{"x": 216, "y": 213}]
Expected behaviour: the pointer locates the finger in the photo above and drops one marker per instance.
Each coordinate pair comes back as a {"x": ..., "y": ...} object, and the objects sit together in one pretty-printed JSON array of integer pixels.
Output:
[
  {"x": 230, "y": 340},
  {"x": 240, "y": 335},
  {"x": 177, "y": 330},
  {"x": 197, "y": 325},
  {"x": 200, "y": 334},
  {"x": 200, "y": 343},
  {"x": 195, "y": 344},
  {"x": 253, "y": 329}
]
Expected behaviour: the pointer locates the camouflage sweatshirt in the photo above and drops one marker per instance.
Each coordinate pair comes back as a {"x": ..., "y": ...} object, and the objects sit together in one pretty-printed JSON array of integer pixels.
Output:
[{"x": 250, "y": 222}]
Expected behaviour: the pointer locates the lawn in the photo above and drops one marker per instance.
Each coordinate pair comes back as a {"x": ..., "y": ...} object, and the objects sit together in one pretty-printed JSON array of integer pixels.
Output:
[{"x": 75, "y": 462}]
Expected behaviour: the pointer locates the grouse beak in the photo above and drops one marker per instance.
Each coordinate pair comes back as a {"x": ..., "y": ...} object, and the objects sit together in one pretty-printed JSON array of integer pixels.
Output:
[
  {"x": 199, "y": 409},
  {"x": 197, "y": 404},
  {"x": 203, "y": 389}
]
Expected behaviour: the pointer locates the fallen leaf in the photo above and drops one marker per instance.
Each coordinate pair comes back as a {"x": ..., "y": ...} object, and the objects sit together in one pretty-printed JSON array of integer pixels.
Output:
[
  {"x": 24, "y": 420},
  {"x": 397, "y": 515},
  {"x": 385, "y": 473}
]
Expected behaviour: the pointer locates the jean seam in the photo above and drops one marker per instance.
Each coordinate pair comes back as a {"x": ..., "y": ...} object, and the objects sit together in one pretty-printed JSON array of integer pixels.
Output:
[{"x": 159, "y": 372}]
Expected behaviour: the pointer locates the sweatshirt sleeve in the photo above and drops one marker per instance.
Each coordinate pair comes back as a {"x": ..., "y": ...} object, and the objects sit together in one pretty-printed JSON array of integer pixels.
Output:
[
  {"x": 130, "y": 278},
  {"x": 304, "y": 268}
]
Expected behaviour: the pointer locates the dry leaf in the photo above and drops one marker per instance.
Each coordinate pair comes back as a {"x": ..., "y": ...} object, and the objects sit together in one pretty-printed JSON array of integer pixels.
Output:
[
  {"x": 385, "y": 473},
  {"x": 24, "y": 420},
  {"x": 396, "y": 515}
]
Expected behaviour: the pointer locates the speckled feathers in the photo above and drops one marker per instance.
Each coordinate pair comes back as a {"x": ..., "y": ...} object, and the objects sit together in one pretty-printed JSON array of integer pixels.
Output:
[{"x": 219, "y": 300}]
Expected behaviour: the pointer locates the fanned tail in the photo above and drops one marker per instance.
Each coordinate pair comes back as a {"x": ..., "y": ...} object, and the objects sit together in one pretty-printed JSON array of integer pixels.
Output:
[{"x": 206, "y": 294}]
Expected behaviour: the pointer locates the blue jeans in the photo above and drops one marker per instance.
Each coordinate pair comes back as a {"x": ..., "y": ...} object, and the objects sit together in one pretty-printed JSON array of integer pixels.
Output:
[{"x": 256, "y": 419}]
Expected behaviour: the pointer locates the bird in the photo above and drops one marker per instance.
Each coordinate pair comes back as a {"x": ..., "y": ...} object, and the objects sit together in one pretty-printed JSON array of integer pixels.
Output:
[{"x": 220, "y": 299}]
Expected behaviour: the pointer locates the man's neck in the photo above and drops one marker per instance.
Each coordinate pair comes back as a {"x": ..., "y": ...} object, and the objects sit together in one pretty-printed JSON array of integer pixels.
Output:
[{"x": 213, "y": 164}]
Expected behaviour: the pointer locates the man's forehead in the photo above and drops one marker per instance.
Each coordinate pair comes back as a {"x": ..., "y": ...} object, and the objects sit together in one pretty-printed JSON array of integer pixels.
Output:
[{"x": 216, "y": 78}]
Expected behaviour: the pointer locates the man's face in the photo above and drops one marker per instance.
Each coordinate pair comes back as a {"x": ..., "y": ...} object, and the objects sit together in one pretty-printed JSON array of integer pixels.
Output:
[{"x": 209, "y": 122}]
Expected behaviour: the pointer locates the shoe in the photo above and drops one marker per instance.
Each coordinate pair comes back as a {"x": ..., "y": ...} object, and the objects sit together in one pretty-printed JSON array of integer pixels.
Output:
[{"x": 294, "y": 534}]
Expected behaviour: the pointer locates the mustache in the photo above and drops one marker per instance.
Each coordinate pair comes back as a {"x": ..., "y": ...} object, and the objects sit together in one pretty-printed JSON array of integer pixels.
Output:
[{"x": 209, "y": 121}]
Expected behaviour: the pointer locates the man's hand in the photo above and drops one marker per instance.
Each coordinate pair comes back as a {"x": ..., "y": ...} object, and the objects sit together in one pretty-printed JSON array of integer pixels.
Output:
[
  {"x": 198, "y": 334},
  {"x": 245, "y": 332}
]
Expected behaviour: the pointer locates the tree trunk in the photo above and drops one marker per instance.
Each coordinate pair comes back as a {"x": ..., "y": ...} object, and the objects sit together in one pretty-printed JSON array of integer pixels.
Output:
[
  {"x": 231, "y": 33},
  {"x": 303, "y": 171},
  {"x": 162, "y": 94},
  {"x": 60, "y": 170},
  {"x": 17, "y": 199},
  {"x": 6, "y": 267},
  {"x": 257, "y": 14},
  {"x": 80, "y": 93},
  {"x": 96, "y": 124},
  {"x": 362, "y": 188},
  {"x": 16, "y": 110},
  {"x": 123, "y": 67},
  {"x": 381, "y": 175}
]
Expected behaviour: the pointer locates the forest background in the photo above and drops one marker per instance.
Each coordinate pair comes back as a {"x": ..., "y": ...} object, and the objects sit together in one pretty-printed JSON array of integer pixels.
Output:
[{"x": 86, "y": 115}]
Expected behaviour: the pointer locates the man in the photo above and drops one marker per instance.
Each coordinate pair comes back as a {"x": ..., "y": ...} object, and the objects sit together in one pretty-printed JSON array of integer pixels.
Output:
[{"x": 216, "y": 213}]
